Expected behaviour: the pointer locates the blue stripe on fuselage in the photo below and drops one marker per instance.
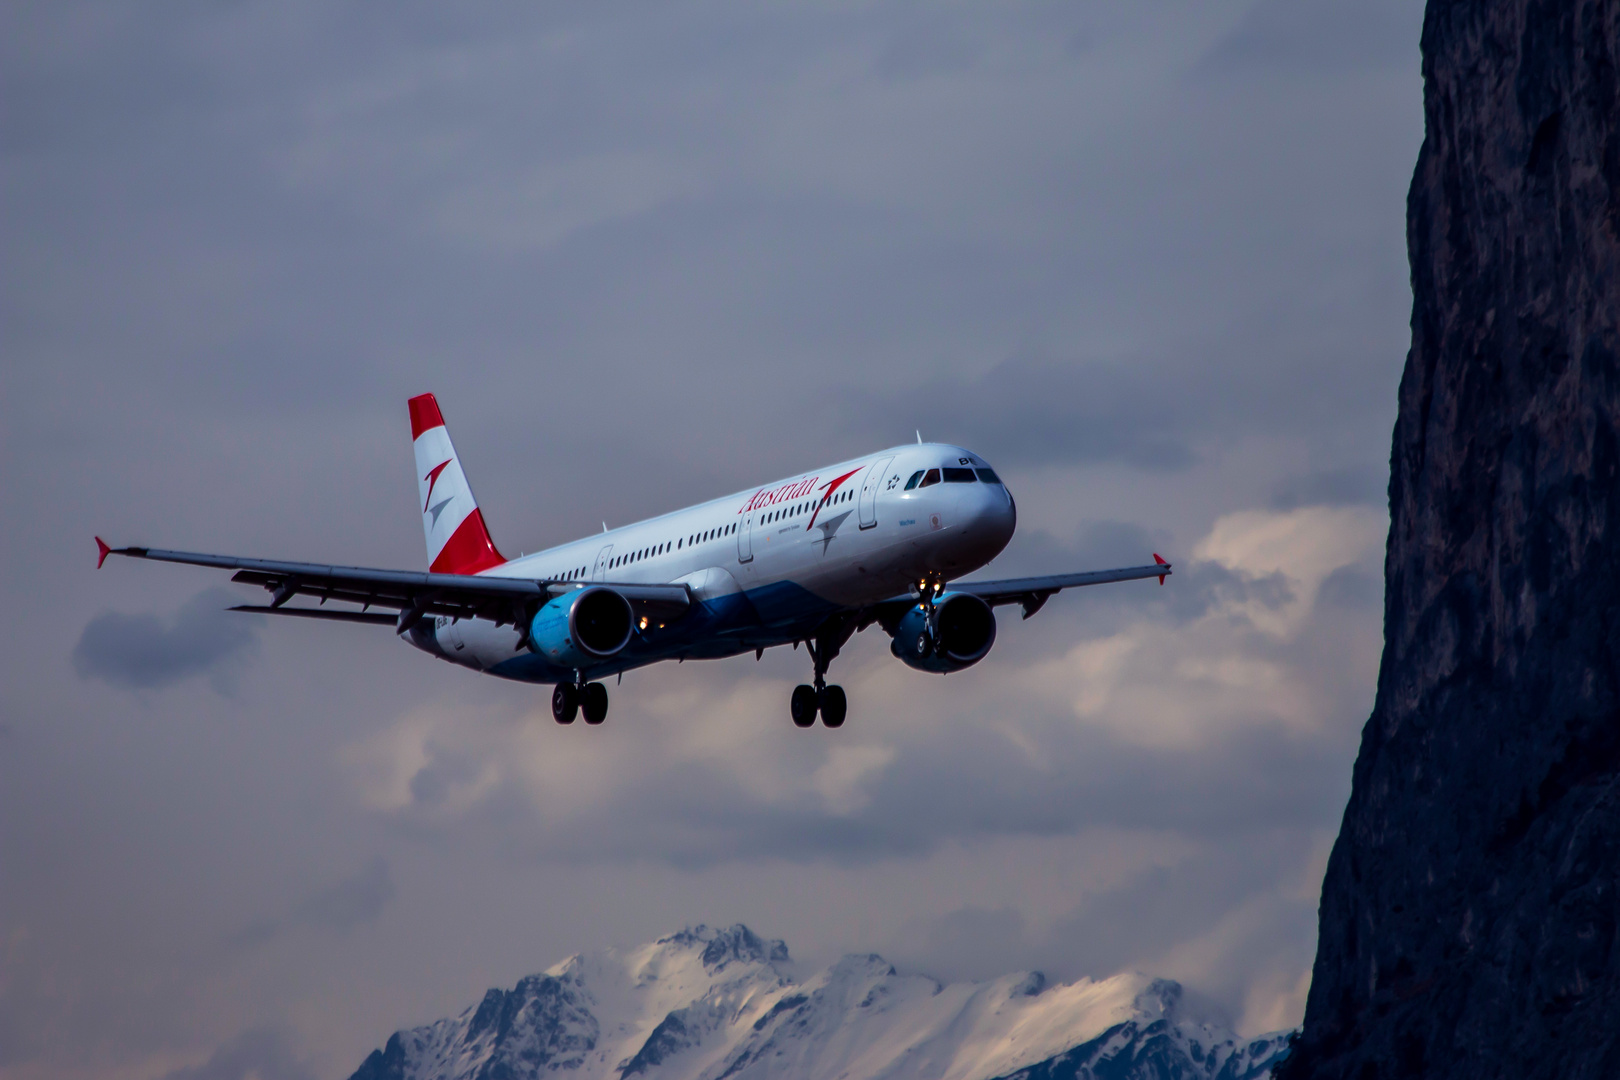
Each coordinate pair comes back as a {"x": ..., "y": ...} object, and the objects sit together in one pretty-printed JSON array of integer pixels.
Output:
[{"x": 723, "y": 626}]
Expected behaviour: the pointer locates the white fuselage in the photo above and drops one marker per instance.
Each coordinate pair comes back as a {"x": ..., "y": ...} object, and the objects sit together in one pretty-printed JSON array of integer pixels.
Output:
[{"x": 767, "y": 565}]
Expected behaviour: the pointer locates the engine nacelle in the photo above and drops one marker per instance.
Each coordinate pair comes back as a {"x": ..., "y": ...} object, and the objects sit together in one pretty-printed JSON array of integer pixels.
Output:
[
  {"x": 579, "y": 629},
  {"x": 967, "y": 629}
]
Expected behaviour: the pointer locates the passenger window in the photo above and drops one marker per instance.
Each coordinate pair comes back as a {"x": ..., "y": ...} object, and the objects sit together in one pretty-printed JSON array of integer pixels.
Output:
[
  {"x": 930, "y": 478},
  {"x": 959, "y": 476},
  {"x": 916, "y": 476}
]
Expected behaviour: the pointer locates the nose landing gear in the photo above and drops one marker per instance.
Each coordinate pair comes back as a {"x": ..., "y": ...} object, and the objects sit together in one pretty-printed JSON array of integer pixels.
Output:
[
  {"x": 926, "y": 591},
  {"x": 570, "y": 699}
]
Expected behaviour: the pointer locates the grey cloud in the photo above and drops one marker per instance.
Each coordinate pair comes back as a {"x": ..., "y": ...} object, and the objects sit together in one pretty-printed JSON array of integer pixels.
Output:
[
  {"x": 144, "y": 651},
  {"x": 257, "y": 1054},
  {"x": 1147, "y": 915},
  {"x": 976, "y": 784},
  {"x": 1028, "y": 410},
  {"x": 1324, "y": 35},
  {"x": 1330, "y": 487},
  {"x": 345, "y": 906},
  {"x": 1152, "y": 911},
  {"x": 968, "y": 943},
  {"x": 1351, "y": 588}
]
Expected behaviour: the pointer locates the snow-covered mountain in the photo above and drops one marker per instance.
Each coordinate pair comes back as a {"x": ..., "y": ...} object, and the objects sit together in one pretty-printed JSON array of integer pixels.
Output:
[{"x": 707, "y": 1004}]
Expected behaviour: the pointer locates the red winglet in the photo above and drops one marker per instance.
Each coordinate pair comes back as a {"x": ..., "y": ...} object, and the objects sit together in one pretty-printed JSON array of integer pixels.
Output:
[
  {"x": 424, "y": 415},
  {"x": 104, "y": 550},
  {"x": 1160, "y": 560}
]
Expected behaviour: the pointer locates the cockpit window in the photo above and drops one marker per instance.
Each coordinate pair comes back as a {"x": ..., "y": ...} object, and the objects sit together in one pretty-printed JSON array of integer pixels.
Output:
[
  {"x": 959, "y": 476},
  {"x": 916, "y": 476},
  {"x": 989, "y": 476},
  {"x": 930, "y": 477}
]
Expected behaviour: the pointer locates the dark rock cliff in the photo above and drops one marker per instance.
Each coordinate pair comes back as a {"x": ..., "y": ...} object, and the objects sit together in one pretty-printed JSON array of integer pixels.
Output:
[{"x": 1470, "y": 912}]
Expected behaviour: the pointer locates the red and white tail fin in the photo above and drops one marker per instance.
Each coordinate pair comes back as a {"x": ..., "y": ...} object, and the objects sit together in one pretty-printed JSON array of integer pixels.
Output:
[{"x": 457, "y": 541}]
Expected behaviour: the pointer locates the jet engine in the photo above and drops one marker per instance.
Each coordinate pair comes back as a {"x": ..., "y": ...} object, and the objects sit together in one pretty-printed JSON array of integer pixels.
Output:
[
  {"x": 965, "y": 630},
  {"x": 578, "y": 629}
]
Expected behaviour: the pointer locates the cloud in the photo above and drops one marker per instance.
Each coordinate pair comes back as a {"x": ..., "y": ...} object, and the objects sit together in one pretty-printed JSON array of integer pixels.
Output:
[
  {"x": 1318, "y": 35},
  {"x": 1046, "y": 411},
  {"x": 1330, "y": 487},
  {"x": 347, "y": 905},
  {"x": 145, "y": 651},
  {"x": 258, "y": 1054},
  {"x": 1205, "y": 713},
  {"x": 1236, "y": 924}
]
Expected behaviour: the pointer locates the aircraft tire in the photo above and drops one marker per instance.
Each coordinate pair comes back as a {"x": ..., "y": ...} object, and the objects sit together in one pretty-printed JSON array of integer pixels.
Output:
[
  {"x": 803, "y": 705},
  {"x": 564, "y": 703},
  {"x": 834, "y": 706},
  {"x": 594, "y": 702}
]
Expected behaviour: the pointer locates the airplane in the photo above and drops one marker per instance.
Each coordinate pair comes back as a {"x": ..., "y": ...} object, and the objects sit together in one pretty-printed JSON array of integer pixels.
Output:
[{"x": 810, "y": 559}]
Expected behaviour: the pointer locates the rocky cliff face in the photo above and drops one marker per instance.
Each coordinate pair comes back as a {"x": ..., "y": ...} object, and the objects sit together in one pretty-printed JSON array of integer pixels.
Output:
[
  {"x": 709, "y": 1004},
  {"x": 1470, "y": 913}
]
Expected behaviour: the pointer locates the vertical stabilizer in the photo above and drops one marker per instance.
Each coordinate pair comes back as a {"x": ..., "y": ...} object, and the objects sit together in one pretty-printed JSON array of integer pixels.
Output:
[{"x": 457, "y": 540}]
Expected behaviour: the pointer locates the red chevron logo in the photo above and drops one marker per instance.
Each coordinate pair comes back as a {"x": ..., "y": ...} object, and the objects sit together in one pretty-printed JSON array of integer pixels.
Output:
[{"x": 433, "y": 478}]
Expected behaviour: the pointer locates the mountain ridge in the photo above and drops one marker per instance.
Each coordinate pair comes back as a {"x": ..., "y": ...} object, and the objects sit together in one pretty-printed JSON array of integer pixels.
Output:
[{"x": 726, "y": 1004}]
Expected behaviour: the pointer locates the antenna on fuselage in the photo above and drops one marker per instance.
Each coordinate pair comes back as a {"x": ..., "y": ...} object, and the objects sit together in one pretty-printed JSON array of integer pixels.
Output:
[
  {"x": 604, "y": 526},
  {"x": 919, "y": 438}
]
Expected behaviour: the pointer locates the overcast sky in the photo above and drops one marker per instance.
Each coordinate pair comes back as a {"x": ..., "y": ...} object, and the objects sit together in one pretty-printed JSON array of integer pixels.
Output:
[{"x": 1148, "y": 259}]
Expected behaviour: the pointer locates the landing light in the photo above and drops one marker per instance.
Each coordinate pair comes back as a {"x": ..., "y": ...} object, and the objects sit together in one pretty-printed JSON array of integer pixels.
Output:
[{"x": 644, "y": 622}]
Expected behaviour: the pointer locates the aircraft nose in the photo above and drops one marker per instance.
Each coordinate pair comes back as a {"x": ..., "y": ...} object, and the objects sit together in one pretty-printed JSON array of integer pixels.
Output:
[
  {"x": 996, "y": 516},
  {"x": 1003, "y": 512}
]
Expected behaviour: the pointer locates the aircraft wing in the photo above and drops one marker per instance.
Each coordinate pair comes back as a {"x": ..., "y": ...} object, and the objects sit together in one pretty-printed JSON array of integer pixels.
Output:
[
  {"x": 1033, "y": 592},
  {"x": 413, "y": 594}
]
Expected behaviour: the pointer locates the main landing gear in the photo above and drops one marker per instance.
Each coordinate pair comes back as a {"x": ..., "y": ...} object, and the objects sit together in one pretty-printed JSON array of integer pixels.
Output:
[
  {"x": 829, "y": 701},
  {"x": 571, "y": 698}
]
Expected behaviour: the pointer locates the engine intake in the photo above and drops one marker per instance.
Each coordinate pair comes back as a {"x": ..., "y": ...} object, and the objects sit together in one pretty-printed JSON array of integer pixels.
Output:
[
  {"x": 580, "y": 628},
  {"x": 967, "y": 629}
]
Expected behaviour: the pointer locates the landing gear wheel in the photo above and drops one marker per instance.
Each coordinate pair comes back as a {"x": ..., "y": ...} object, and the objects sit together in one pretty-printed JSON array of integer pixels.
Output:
[
  {"x": 834, "y": 705},
  {"x": 593, "y": 702},
  {"x": 564, "y": 703},
  {"x": 803, "y": 705}
]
